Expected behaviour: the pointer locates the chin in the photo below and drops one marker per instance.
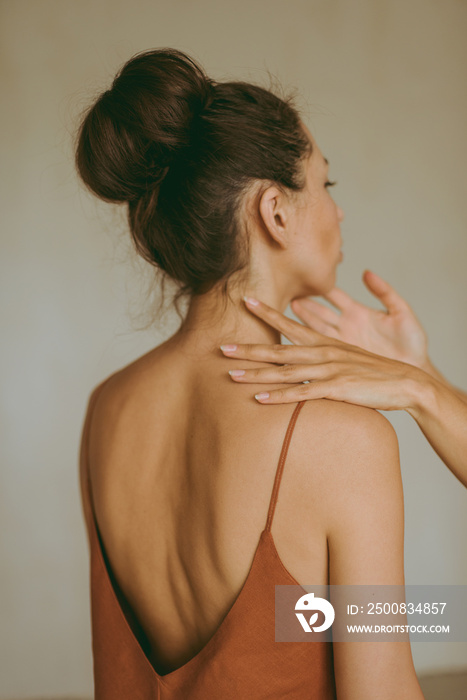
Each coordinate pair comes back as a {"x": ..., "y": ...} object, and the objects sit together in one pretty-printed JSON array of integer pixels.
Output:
[
  {"x": 318, "y": 287},
  {"x": 329, "y": 287},
  {"x": 331, "y": 282},
  {"x": 321, "y": 289}
]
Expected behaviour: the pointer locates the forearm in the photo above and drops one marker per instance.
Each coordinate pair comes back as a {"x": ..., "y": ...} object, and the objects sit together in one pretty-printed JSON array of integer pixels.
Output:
[
  {"x": 431, "y": 370},
  {"x": 442, "y": 417}
]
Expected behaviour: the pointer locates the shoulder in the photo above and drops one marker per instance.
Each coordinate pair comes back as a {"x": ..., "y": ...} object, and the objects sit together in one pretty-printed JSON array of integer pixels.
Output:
[
  {"x": 341, "y": 429},
  {"x": 106, "y": 403},
  {"x": 120, "y": 393},
  {"x": 132, "y": 382},
  {"x": 116, "y": 416},
  {"x": 346, "y": 452}
]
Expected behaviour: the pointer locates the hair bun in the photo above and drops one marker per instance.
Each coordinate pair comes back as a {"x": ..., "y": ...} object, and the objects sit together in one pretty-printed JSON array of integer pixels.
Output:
[{"x": 131, "y": 135}]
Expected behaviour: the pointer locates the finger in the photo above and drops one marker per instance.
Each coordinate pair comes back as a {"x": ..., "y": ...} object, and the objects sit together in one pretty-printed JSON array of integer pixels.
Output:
[
  {"x": 325, "y": 331},
  {"x": 292, "y": 330},
  {"x": 287, "y": 374},
  {"x": 340, "y": 299},
  {"x": 383, "y": 290},
  {"x": 280, "y": 354},
  {"x": 299, "y": 392},
  {"x": 308, "y": 309},
  {"x": 312, "y": 321}
]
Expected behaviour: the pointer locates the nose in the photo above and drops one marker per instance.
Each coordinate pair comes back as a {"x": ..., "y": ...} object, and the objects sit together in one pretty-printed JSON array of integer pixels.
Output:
[{"x": 340, "y": 214}]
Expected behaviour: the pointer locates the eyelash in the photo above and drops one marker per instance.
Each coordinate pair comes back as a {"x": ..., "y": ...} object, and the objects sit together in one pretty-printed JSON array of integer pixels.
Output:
[{"x": 330, "y": 184}]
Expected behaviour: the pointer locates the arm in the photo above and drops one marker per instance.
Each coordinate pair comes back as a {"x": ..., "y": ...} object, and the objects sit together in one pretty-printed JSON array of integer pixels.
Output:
[
  {"x": 364, "y": 514},
  {"x": 442, "y": 416},
  {"x": 83, "y": 456},
  {"x": 430, "y": 369},
  {"x": 343, "y": 372},
  {"x": 83, "y": 464}
]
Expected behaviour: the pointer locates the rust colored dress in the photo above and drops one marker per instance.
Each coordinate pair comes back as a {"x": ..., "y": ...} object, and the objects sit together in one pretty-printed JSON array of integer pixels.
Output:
[{"x": 241, "y": 661}]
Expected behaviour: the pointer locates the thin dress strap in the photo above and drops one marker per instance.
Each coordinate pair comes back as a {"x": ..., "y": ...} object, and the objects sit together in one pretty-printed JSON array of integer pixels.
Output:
[{"x": 280, "y": 467}]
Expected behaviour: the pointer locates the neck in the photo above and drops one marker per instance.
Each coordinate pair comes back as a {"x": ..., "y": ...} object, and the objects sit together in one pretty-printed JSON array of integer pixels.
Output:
[{"x": 212, "y": 321}]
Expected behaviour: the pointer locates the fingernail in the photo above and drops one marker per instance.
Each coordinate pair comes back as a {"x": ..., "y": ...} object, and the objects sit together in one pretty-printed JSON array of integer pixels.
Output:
[
  {"x": 236, "y": 372},
  {"x": 251, "y": 301},
  {"x": 263, "y": 395},
  {"x": 228, "y": 348}
]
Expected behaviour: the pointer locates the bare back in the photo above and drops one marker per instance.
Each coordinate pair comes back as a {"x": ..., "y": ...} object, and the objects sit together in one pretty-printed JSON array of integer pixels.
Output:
[{"x": 182, "y": 464}]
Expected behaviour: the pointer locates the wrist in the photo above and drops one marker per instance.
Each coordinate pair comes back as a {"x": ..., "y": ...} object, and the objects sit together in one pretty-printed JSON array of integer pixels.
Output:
[
  {"x": 422, "y": 393},
  {"x": 428, "y": 367}
]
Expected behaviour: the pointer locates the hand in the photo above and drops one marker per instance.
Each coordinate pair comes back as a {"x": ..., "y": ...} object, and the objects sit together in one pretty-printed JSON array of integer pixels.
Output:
[
  {"x": 395, "y": 333},
  {"x": 334, "y": 369}
]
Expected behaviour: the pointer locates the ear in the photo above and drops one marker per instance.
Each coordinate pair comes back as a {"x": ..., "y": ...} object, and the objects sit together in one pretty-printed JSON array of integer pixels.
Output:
[{"x": 275, "y": 214}]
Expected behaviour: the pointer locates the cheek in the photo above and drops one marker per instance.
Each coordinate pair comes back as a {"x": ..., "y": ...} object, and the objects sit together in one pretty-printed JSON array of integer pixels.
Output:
[
  {"x": 327, "y": 233},
  {"x": 331, "y": 230},
  {"x": 321, "y": 233}
]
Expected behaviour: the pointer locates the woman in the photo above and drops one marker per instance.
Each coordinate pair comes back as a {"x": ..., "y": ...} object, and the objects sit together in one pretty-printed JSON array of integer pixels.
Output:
[
  {"x": 364, "y": 356},
  {"x": 197, "y": 501}
]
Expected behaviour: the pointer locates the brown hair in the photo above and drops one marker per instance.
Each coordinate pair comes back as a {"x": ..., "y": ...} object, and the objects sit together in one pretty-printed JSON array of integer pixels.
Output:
[{"x": 181, "y": 150}]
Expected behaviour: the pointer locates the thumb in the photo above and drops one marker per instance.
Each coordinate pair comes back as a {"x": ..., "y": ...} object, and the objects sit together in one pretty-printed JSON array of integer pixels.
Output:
[{"x": 383, "y": 290}]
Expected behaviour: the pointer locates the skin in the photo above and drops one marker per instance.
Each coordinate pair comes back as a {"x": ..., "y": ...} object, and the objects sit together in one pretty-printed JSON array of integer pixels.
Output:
[
  {"x": 363, "y": 356},
  {"x": 178, "y": 387},
  {"x": 295, "y": 250},
  {"x": 182, "y": 461}
]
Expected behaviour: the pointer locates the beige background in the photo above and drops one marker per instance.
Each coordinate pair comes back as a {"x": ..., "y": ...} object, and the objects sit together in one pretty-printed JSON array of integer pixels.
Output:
[{"x": 383, "y": 90}]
